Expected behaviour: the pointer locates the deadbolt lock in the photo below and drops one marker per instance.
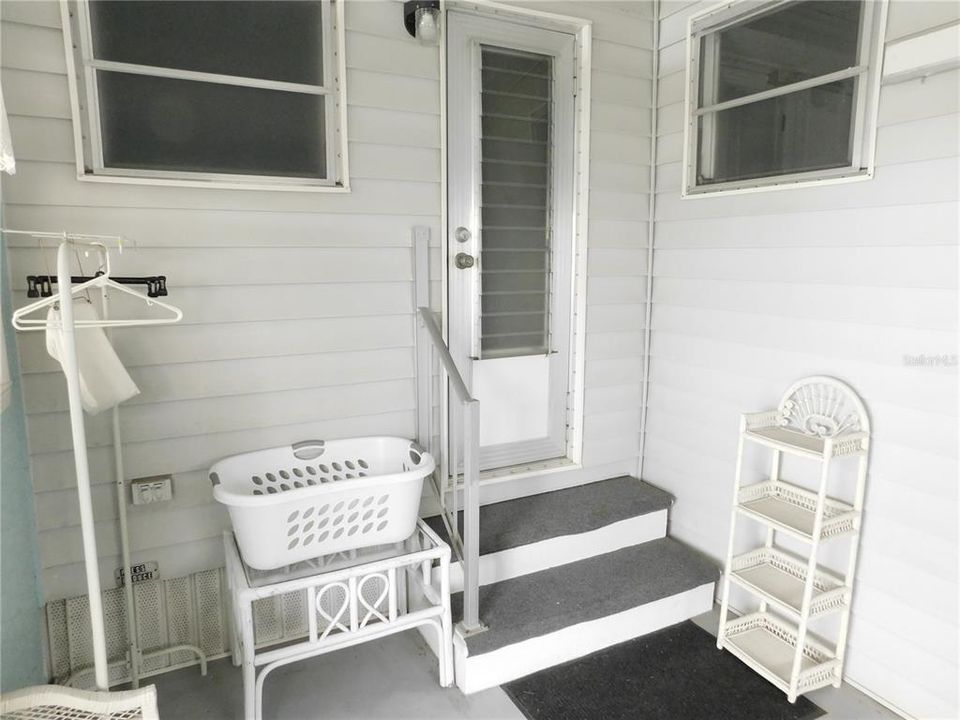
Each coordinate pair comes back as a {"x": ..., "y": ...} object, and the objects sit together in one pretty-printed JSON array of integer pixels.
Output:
[
  {"x": 464, "y": 261},
  {"x": 461, "y": 234}
]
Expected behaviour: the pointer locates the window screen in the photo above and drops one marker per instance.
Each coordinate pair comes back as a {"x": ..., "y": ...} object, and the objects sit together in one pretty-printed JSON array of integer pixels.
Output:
[
  {"x": 800, "y": 132},
  {"x": 799, "y": 41},
  {"x": 208, "y": 88},
  {"x": 516, "y": 105},
  {"x": 777, "y": 94},
  {"x": 155, "y": 123},
  {"x": 274, "y": 40}
]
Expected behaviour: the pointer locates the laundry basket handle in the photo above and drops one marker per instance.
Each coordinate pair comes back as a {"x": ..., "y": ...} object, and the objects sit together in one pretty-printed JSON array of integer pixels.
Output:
[{"x": 307, "y": 449}]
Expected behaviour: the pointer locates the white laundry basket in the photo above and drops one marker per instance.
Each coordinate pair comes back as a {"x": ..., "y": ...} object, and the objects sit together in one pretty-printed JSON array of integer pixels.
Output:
[{"x": 317, "y": 497}]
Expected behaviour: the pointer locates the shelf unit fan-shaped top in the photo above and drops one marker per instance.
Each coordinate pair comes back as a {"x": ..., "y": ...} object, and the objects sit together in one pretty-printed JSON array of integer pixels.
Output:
[{"x": 823, "y": 407}]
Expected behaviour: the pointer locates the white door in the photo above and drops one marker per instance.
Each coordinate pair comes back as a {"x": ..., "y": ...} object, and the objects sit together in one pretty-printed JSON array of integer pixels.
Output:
[{"x": 510, "y": 91}]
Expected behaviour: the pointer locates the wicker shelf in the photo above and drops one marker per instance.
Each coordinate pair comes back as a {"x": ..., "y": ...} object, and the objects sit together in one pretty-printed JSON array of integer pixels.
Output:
[
  {"x": 791, "y": 509},
  {"x": 787, "y": 440},
  {"x": 768, "y": 645},
  {"x": 798, "y": 443},
  {"x": 779, "y": 577}
]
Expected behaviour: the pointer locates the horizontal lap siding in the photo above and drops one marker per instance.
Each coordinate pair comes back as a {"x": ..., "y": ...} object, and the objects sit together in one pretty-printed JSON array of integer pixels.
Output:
[
  {"x": 297, "y": 306},
  {"x": 754, "y": 291},
  {"x": 619, "y": 195}
]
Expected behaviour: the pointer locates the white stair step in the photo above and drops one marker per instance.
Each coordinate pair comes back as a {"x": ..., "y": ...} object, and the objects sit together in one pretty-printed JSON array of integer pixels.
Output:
[
  {"x": 538, "y": 532},
  {"x": 549, "y": 617}
]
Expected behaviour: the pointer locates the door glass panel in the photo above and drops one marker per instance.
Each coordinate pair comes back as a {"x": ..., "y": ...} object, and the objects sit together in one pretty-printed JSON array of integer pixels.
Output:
[{"x": 516, "y": 119}]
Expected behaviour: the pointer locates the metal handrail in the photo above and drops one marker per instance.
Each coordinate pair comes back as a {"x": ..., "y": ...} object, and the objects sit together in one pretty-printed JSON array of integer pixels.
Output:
[
  {"x": 428, "y": 322},
  {"x": 443, "y": 352},
  {"x": 462, "y": 431},
  {"x": 467, "y": 545}
]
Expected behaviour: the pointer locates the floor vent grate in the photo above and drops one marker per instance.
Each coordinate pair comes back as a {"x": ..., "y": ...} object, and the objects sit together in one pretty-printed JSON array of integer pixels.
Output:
[{"x": 191, "y": 609}]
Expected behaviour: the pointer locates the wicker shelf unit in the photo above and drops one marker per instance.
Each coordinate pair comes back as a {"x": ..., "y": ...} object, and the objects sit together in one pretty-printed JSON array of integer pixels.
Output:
[{"x": 819, "y": 418}]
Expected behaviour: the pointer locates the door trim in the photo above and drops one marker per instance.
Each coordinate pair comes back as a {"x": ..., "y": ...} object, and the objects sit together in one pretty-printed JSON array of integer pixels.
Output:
[{"x": 581, "y": 30}]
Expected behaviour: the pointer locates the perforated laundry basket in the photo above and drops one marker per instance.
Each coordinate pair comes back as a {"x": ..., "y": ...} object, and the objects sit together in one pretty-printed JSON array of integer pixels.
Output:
[{"x": 317, "y": 497}]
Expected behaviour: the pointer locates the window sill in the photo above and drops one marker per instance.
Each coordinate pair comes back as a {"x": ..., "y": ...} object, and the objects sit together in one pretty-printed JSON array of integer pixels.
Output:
[
  {"x": 215, "y": 184},
  {"x": 723, "y": 189}
]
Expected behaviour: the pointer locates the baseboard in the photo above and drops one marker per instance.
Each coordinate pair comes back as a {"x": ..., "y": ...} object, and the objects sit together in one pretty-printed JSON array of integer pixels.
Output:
[
  {"x": 495, "y": 668},
  {"x": 564, "y": 549},
  {"x": 879, "y": 700}
]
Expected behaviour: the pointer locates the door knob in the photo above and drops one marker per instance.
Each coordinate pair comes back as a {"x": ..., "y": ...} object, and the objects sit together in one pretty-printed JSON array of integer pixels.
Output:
[{"x": 464, "y": 261}]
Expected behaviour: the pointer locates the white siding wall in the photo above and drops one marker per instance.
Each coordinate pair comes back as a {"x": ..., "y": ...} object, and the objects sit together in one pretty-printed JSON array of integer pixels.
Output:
[
  {"x": 298, "y": 308},
  {"x": 754, "y": 291}
]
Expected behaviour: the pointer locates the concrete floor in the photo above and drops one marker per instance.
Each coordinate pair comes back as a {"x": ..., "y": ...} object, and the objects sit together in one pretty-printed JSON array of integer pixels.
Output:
[{"x": 390, "y": 679}]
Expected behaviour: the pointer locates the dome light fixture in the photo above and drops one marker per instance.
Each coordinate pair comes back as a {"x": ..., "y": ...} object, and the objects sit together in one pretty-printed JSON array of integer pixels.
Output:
[{"x": 422, "y": 20}]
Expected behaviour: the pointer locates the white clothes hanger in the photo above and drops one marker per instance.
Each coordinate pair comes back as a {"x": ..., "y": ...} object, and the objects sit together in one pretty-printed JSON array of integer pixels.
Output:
[
  {"x": 103, "y": 282},
  {"x": 21, "y": 322}
]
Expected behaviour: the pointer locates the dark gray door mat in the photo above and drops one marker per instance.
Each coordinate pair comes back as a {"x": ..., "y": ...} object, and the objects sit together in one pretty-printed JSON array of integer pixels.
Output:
[{"x": 673, "y": 674}]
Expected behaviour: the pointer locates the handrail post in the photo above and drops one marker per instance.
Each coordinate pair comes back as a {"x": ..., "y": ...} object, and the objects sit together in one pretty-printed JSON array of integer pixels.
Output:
[
  {"x": 424, "y": 431},
  {"x": 421, "y": 264},
  {"x": 471, "y": 519}
]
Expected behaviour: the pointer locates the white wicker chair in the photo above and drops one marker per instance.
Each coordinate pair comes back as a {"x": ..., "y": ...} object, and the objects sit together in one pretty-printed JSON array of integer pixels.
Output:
[{"x": 53, "y": 702}]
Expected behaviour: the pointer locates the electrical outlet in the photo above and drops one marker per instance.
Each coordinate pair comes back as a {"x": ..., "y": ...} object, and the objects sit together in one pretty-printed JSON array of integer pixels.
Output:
[{"x": 156, "y": 488}]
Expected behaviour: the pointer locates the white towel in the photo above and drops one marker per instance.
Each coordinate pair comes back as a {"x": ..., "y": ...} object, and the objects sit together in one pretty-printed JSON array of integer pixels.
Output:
[
  {"x": 104, "y": 381},
  {"x": 7, "y": 162}
]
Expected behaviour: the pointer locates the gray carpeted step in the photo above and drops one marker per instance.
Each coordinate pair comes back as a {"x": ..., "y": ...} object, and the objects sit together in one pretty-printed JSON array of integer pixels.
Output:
[
  {"x": 543, "y": 602},
  {"x": 580, "y": 509}
]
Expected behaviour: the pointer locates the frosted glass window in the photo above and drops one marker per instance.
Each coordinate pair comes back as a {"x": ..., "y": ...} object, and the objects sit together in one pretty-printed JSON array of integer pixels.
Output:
[
  {"x": 516, "y": 104},
  {"x": 780, "y": 93},
  {"x": 210, "y": 90}
]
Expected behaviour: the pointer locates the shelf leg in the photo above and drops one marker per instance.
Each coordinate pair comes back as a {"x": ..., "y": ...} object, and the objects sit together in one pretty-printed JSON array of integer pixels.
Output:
[
  {"x": 811, "y": 570},
  {"x": 771, "y": 533},
  {"x": 841, "y": 650},
  {"x": 725, "y": 593}
]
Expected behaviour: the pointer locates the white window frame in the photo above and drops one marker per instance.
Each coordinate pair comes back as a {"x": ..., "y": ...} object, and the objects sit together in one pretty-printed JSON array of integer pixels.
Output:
[
  {"x": 82, "y": 67},
  {"x": 702, "y": 26}
]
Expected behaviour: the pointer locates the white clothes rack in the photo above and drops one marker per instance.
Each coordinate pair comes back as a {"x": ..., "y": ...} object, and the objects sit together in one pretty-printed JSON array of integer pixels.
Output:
[{"x": 67, "y": 326}]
